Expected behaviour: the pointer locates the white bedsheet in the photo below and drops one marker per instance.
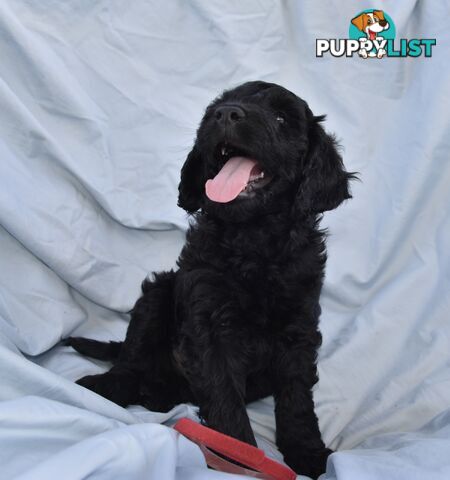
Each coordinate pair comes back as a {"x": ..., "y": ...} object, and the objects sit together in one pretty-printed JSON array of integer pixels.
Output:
[{"x": 99, "y": 105}]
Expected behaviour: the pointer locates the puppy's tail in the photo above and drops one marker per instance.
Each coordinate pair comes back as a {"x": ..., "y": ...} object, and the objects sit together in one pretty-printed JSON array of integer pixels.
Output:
[{"x": 94, "y": 348}]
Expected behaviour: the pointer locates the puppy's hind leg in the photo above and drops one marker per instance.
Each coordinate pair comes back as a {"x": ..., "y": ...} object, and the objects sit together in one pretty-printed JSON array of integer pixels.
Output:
[{"x": 145, "y": 354}]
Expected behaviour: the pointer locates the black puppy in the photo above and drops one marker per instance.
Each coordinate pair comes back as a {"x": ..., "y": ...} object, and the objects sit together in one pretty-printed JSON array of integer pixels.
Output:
[{"x": 238, "y": 320}]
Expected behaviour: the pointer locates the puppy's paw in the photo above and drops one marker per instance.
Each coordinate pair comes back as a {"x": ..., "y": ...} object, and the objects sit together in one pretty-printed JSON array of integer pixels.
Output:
[
  {"x": 158, "y": 404},
  {"x": 119, "y": 388},
  {"x": 363, "y": 53},
  {"x": 102, "y": 384},
  {"x": 310, "y": 463},
  {"x": 381, "y": 53}
]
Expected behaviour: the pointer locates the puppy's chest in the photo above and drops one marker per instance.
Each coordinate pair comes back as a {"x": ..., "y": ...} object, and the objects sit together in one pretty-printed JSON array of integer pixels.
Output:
[
  {"x": 265, "y": 267},
  {"x": 251, "y": 267},
  {"x": 263, "y": 271}
]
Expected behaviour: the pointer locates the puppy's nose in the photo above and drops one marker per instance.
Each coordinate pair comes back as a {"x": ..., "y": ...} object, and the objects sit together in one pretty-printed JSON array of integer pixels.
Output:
[
  {"x": 231, "y": 113},
  {"x": 382, "y": 23}
]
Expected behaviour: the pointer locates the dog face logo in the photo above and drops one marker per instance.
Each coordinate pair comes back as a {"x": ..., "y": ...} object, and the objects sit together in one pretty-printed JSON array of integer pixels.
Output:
[{"x": 372, "y": 23}]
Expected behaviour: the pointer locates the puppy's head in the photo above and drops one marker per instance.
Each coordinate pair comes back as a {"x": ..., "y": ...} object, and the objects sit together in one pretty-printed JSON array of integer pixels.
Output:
[
  {"x": 371, "y": 23},
  {"x": 259, "y": 149}
]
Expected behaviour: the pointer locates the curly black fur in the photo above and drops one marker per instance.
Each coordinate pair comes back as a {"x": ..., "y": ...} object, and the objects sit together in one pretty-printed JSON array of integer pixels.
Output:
[{"x": 238, "y": 320}]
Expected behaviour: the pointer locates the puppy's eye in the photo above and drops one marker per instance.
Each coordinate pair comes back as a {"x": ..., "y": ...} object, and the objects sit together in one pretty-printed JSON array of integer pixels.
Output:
[{"x": 280, "y": 119}]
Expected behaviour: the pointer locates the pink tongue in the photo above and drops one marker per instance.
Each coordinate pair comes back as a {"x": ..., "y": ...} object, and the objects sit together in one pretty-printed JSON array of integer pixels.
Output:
[{"x": 231, "y": 180}]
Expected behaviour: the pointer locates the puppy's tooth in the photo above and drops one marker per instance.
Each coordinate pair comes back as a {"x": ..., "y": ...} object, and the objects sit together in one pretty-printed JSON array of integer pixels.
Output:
[
  {"x": 261, "y": 175},
  {"x": 223, "y": 151}
]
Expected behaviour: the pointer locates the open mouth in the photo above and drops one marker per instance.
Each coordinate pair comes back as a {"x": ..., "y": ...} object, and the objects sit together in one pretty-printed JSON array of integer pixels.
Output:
[{"x": 240, "y": 176}]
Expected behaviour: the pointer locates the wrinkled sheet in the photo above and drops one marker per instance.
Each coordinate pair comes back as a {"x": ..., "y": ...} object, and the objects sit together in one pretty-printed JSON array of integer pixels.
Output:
[{"x": 99, "y": 105}]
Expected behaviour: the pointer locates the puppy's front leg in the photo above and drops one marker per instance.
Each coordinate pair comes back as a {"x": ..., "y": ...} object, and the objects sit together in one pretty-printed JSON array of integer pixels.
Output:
[
  {"x": 298, "y": 434},
  {"x": 212, "y": 352},
  {"x": 222, "y": 403},
  {"x": 212, "y": 367}
]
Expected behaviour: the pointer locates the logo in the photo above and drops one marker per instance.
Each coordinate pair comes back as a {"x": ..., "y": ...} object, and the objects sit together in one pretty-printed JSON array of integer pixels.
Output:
[{"x": 372, "y": 35}]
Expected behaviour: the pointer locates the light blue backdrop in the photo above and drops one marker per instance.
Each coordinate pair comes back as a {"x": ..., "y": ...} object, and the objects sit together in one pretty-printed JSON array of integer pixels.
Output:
[{"x": 99, "y": 102}]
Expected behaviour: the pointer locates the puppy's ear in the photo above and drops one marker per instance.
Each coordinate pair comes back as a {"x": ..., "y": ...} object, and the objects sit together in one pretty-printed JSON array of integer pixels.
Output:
[
  {"x": 191, "y": 185},
  {"x": 325, "y": 183},
  {"x": 360, "y": 22},
  {"x": 379, "y": 14}
]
